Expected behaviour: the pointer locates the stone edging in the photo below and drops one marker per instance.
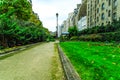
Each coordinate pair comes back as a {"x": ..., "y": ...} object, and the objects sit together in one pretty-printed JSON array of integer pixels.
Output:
[
  {"x": 69, "y": 71},
  {"x": 15, "y": 50}
]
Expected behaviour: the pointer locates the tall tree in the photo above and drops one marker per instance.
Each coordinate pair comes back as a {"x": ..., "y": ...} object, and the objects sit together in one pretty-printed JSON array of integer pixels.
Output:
[{"x": 19, "y": 24}]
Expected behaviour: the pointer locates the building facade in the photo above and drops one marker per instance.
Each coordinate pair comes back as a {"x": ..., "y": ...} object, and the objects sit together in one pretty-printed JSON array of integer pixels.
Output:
[
  {"x": 81, "y": 15},
  {"x": 65, "y": 25},
  {"x": 76, "y": 14},
  {"x": 82, "y": 23},
  {"x": 69, "y": 22},
  {"x": 71, "y": 19},
  {"x": 102, "y": 12}
]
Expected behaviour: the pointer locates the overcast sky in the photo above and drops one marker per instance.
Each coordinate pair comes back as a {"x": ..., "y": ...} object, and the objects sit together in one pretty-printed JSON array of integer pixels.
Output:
[{"x": 47, "y": 10}]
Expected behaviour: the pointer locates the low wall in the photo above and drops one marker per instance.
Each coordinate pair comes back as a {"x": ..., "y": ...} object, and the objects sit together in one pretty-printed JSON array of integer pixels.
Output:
[{"x": 69, "y": 71}]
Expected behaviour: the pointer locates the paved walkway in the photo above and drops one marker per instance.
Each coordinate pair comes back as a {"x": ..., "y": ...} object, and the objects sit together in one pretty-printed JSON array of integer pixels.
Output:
[{"x": 31, "y": 64}]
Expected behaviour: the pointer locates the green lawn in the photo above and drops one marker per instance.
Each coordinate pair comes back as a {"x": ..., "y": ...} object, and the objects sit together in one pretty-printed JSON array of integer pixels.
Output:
[{"x": 94, "y": 60}]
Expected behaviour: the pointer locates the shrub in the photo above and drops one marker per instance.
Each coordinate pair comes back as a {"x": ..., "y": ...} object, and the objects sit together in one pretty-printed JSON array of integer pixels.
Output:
[
  {"x": 1, "y": 47},
  {"x": 73, "y": 31},
  {"x": 112, "y": 36},
  {"x": 64, "y": 38},
  {"x": 91, "y": 37},
  {"x": 109, "y": 37},
  {"x": 115, "y": 26},
  {"x": 74, "y": 38}
]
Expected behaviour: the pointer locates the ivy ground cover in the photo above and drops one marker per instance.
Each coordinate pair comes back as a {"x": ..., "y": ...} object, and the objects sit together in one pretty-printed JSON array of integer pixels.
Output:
[{"x": 94, "y": 60}]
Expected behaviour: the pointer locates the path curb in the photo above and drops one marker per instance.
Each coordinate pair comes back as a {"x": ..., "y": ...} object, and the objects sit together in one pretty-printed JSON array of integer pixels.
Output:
[
  {"x": 15, "y": 50},
  {"x": 69, "y": 71}
]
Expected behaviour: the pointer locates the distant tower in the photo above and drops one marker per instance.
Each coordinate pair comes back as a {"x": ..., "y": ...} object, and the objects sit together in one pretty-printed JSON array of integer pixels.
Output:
[{"x": 57, "y": 25}]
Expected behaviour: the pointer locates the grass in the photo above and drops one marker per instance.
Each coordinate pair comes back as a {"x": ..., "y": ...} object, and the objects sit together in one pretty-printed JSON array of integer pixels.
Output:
[
  {"x": 57, "y": 71},
  {"x": 94, "y": 60}
]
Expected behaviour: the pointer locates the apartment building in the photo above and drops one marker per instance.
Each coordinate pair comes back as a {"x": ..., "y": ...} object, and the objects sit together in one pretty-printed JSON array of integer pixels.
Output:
[
  {"x": 76, "y": 14},
  {"x": 77, "y": 17},
  {"x": 102, "y": 12},
  {"x": 81, "y": 16},
  {"x": 69, "y": 22},
  {"x": 82, "y": 23},
  {"x": 71, "y": 19},
  {"x": 84, "y": 1}
]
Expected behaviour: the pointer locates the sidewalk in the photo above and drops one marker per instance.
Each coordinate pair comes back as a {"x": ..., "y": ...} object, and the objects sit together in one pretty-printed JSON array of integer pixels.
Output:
[{"x": 32, "y": 64}]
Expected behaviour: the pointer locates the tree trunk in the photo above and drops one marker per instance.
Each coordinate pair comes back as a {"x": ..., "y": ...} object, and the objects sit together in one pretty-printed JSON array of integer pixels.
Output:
[{"x": 4, "y": 41}]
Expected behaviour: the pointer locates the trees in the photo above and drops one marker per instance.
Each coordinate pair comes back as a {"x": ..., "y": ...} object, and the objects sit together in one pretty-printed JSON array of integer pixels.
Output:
[
  {"x": 19, "y": 24},
  {"x": 73, "y": 31}
]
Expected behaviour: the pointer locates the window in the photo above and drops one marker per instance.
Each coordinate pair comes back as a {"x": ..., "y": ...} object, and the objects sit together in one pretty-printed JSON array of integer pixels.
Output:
[
  {"x": 97, "y": 10},
  {"x": 114, "y": 16},
  {"x": 88, "y": 6},
  {"x": 103, "y": 6},
  {"x": 91, "y": 18},
  {"x": 109, "y": 22},
  {"x": 102, "y": 24},
  {"x": 88, "y": 13},
  {"x": 109, "y": 2},
  {"x": 115, "y": 3},
  {"x": 97, "y": 19},
  {"x": 103, "y": 16},
  {"x": 109, "y": 13},
  {"x": 98, "y": 1},
  {"x": 95, "y": 3}
]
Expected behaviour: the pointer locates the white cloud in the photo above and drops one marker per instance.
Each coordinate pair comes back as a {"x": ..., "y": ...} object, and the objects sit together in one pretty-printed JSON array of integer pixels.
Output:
[{"x": 47, "y": 10}]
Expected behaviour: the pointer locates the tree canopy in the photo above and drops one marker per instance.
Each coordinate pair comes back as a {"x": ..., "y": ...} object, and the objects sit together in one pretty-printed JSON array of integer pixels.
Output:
[{"x": 19, "y": 24}]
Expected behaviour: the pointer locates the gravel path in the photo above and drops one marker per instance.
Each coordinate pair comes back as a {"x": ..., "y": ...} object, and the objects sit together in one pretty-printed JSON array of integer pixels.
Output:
[{"x": 31, "y": 64}]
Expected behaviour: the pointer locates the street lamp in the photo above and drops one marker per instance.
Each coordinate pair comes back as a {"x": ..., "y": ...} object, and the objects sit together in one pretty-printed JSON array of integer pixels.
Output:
[{"x": 57, "y": 24}]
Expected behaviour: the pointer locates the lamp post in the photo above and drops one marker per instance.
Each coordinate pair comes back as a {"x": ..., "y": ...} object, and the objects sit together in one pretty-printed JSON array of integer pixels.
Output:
[{"x": 56, "y": 24}]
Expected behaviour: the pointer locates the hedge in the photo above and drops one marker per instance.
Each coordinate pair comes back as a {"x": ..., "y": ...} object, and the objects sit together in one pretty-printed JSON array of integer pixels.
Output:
[
  {"x": 91, "y": 37},
  {"x": 111, "y": 36},
  {"x": 113, "y": 27}
]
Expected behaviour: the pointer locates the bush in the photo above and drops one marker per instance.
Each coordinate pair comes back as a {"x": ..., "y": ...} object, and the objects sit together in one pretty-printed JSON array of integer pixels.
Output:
[
  {"x": 51, "y": 39},
  {"x": 1, "y": 47},
  {"x": 74, "y": 38},
  {"x": 109, "y": 37},
  {"x": 115, "y": 26},
  {"x": 112, "y": 36},
  {"x": 73, "y": 31},
  {"x": 64, "y": 38},
  {"x": 91, "y": 37}
]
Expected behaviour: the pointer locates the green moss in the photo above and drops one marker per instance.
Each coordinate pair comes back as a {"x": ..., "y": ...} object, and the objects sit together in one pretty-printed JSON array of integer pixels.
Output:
[{"x": 57, "y": 71}]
